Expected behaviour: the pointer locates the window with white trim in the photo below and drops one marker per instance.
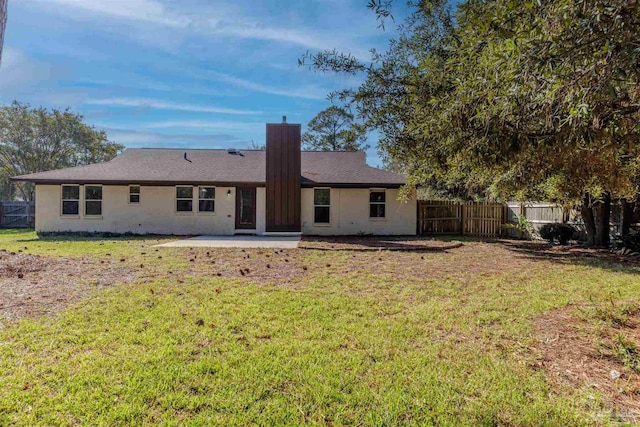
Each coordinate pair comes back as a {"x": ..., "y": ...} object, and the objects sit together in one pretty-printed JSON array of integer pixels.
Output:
[
  {"x": 71, "y": 200},
  {"x": 377, "y": 204},
  {"x": 184, "y": 199},
  {"x": 206, "y": 199},
  {"x": 134, "y": 194},
  {"x": 321, "y": 205},
  {"x": 93, "y": 200}
]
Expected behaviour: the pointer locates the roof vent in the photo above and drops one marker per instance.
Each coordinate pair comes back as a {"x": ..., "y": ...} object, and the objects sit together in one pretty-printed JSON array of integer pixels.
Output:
[
  {"x": 232, "y": 151},
  {"x": 284, "y": 119}
]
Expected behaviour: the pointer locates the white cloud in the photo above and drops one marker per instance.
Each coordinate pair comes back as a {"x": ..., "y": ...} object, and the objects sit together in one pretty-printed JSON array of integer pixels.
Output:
[
  {"x": 137, "y": 10},
  {"x": 18, "y": 71},
  {"x": 163, "y": 105},
  {"x": 203, "y": 124},
  {"x": 229, "y": 21},
  {"x": 307, "y": 92},
  {"x": 278, "y": 34},
  {"x": 135, "y": 138}
]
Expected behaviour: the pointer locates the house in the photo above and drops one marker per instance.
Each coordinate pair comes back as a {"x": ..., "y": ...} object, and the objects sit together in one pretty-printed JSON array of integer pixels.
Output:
[{"x": 224, "y": 192}]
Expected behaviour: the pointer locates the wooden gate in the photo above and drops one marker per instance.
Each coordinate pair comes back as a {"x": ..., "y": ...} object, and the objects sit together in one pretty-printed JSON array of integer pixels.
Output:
[
  {"x": 470, "y": 219},
  {"x": 17, "y": 214}
]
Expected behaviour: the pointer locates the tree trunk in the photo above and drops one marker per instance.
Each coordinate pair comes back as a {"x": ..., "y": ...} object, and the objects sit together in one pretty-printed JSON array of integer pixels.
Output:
[
  {"x": 602, "y": 214},
  {"x": 586, "y": 212},
  {"x": 627, "y": 214}
]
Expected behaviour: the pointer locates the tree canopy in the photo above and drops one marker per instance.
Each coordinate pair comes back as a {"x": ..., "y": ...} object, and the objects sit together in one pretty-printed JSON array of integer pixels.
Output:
[
  {"x": 507, "y": 99},
  {"x": 36, "y": 140},
  {"x": 334, "y": 129}
]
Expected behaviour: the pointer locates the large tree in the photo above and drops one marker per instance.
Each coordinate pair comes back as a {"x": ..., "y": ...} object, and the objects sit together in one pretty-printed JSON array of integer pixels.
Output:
[
  {"x": 516, "y": 99},
  {"x": 36, "y": 140},
  {"x": 334, "y": 129}
]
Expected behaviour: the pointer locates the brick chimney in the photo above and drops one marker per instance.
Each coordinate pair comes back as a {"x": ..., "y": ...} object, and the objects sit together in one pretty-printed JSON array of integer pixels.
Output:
[{"x": 283, "y": 177}]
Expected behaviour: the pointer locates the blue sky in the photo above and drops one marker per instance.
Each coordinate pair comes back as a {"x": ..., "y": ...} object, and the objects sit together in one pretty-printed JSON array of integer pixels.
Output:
[{"x": 188, "y": 73}]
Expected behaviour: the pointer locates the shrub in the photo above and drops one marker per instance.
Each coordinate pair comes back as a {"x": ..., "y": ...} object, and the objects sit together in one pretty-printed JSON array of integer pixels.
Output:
[
  {"x": 564, "y": 232},
  {"x": 560, "y": 232},
  {"x": 546, "y": 232},
  {"x": 632, "y": 241},
  {"x": 523, "y": 225}
]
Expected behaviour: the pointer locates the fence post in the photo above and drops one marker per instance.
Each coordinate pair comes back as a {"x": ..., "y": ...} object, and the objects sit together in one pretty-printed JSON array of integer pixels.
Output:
[
  {"x": 419, "y": 214},
  {"x": 505, "y": 220},
  {"x": 28, "y": 209}
]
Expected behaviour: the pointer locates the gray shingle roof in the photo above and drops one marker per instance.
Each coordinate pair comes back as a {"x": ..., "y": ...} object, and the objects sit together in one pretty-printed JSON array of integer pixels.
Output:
[{"x": 168, "y": 166}]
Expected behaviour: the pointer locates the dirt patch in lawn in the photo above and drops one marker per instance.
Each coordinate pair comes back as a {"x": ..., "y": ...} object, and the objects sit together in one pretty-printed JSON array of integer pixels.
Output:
[
  {"x": 292, "y": 266},
  {"x": 594, "y": 348},
  {"x": 261, "y": 265},
  {"x": 32, "y": 285}
]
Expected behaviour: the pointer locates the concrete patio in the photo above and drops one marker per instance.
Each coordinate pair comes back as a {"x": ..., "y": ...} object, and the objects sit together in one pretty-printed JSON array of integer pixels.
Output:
[{"x": 277, "y": 242}]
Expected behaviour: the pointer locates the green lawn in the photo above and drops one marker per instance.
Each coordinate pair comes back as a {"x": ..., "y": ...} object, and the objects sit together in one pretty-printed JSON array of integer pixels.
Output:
[{"x": 318, "y": 337}]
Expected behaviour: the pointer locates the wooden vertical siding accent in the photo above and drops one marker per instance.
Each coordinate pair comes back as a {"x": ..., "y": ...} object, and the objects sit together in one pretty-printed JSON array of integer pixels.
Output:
[{"x": 283, "y": 177}]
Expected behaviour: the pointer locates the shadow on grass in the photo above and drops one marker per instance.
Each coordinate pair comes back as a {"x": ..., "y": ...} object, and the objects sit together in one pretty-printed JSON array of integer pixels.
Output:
[
  {"x": 576, "y": 254},
  {"x": 94, "y": 237},
  {"x": 377, "y": 243},
  {"x": 573, "y": 254},
  {"x": 12, "y": 231}
]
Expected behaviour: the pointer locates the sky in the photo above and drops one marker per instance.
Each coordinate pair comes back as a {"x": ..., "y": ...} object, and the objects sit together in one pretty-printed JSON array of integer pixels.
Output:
[{"x": 188, "y": 73}]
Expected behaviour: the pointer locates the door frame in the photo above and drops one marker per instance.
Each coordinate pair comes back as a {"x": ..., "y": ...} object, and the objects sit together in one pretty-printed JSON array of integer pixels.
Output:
[{"x": 253, "y": 224}]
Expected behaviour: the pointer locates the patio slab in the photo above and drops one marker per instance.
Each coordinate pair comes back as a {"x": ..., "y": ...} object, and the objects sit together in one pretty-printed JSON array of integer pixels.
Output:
[{"x": 277, "y": 242}]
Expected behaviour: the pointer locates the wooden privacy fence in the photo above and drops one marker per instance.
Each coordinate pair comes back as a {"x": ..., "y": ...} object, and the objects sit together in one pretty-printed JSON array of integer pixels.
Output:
[
  {"x": 491, "y": 219},
  {"x": 471, "y": 218},
  {"x": 537, "y": 213},
  {"x": 439, "y": 217},
  {"x": 483, "y": 219},
  {"x": 17, "y": 214}
]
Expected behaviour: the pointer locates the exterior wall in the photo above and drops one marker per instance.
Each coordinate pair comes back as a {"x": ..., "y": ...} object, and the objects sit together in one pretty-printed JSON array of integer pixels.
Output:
[
  {"x": 156, "y": 213},
  {"x": 349, "y": 214}
]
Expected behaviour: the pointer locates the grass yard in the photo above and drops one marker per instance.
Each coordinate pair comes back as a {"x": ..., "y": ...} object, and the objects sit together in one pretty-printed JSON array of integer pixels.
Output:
[{"x": 117, "y": 332}]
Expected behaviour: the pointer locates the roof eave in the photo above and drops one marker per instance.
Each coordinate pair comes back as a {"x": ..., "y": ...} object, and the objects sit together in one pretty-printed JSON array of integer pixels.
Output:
[
  {"x": 352, "y": 184},
  {"x": 141, "y": 182}
]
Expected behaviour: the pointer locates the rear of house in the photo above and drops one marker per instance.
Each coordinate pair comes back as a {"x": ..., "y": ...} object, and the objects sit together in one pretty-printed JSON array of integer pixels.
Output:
[{"x": 224, "y": 192}]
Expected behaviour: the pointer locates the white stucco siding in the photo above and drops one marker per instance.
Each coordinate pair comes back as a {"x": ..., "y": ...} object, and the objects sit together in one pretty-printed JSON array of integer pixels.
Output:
[
  {"x": 155, "y": 214},
  {"x": 349, "y": 214}
]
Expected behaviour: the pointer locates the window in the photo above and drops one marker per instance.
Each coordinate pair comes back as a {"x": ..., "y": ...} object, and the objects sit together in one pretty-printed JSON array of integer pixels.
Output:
[
  {"x": 184, "y": 199},
  {"x": 377, "y": 204},
  {"x": 92, "y": 200},
  {"x": 207, "y": 199},
  {"x": 134, "y": 194},
  {"x": 70, "y": 199},
  {"x": 322, "y": 205}
]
